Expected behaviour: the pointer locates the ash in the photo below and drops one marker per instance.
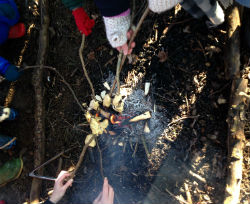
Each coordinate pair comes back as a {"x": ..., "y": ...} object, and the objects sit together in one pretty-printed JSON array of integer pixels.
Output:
[{"x": 136, "y": 103}]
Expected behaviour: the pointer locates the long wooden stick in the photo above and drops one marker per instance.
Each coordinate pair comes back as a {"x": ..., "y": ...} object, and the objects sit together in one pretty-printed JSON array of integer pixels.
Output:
[
  {"x": 63, "y": 80},
  {"x": 84, "y": 67},
  {"x": 82, "y": 156},
  {"x": 144, "y": 15},
  {"x": 39, "y": 135}
]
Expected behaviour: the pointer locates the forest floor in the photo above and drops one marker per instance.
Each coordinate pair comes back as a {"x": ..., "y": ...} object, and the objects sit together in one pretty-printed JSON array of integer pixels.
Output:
[{"x": 188, "y": 99}]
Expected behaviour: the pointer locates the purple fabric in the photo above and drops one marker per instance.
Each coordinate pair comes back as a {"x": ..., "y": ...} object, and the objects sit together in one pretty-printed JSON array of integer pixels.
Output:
[{"x": 125, "y": 13}]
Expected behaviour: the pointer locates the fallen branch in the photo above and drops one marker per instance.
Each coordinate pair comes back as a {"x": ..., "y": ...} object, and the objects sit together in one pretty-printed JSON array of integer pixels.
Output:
[
  {"x": 39, "y": 137},
  {"x": 232, "y": 54},
  {"x": 236, "y": 115},
  {"x": 236, "y": 140},
  {"x": 84, "y": 68}
]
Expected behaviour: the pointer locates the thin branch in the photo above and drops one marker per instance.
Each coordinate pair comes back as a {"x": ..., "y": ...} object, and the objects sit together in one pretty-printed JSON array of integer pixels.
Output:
[
  {"x": 118, "y": 72},
  {"x": 176, "y": 197},
  {"x": 63, "y": 80},
  {"x": 82, "y": 156},
  {"x": 185, "y": 117},
  {"x": 145, "y": 145},
  {"x": 8, "y": 143},
  {"x": 100, "y": 154},
  {"x": 84, "y": 67}
]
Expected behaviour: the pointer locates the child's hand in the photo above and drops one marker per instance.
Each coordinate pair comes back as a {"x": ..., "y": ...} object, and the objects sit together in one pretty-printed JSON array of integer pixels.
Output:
[
  {"x": 60, "y": 187},
  {"x": 124, "y": 47},
  {"x": 107, "y": 194}
]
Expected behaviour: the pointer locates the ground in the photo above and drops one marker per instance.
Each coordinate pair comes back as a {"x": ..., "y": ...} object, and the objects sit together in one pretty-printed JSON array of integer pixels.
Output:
[{"x": 188, "y": 91}]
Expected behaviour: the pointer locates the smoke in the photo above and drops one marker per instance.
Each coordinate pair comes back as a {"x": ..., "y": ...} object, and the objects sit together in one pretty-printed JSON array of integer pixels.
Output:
[{"x": 124, "y": 161}]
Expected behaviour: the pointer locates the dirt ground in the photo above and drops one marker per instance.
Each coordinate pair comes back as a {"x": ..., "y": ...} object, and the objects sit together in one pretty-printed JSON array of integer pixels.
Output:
[{"x": 188, "y": 88}]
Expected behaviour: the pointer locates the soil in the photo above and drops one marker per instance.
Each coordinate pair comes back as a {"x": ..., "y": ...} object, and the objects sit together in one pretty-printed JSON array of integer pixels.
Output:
[{"x": 188, "y": 89}]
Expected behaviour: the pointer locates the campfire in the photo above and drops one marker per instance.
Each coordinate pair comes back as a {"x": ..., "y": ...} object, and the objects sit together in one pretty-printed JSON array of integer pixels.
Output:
[{"x": 110, "y": 122}]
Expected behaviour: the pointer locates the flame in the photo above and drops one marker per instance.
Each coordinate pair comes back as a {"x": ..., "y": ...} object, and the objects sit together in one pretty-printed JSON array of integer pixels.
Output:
[{"x": 113, "y": 120}]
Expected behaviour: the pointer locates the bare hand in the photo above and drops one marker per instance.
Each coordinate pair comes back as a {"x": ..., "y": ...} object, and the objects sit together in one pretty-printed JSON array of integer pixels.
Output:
[
  {"x": 107, "y": 194},
  {"x": 124, "y": 48},
  {"x": 60, "y": 187}
]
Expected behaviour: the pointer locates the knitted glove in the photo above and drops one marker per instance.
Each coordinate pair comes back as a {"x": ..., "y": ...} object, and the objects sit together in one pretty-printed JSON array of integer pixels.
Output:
[
  {"x": 12, "y": 73},
  {"x": 116, "y": 29},
  {"x": 159, "y": 6},
  {"x": 83, "y": 22}
]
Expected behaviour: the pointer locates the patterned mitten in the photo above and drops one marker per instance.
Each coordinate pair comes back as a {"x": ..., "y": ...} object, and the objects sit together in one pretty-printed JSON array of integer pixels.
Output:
[
  {"x": 159, "y": 6},
  {"x": 116, "y": 29}
]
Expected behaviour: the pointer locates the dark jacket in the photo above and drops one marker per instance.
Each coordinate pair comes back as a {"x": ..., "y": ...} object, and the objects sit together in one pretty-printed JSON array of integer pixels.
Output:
[{"x": 108, "y": 8}]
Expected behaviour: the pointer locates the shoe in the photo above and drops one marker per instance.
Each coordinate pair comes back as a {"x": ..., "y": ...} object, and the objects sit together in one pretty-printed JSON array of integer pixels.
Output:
[{"x": 17, "y": 31}]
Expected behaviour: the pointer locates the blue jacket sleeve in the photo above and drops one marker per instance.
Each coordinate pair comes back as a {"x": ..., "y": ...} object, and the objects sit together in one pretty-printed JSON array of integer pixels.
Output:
[{"x": 3, "y": 65}]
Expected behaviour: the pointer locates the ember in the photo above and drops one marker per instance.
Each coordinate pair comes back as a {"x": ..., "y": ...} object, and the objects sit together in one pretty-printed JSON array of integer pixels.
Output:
[{"x": 114, "y": 119}]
